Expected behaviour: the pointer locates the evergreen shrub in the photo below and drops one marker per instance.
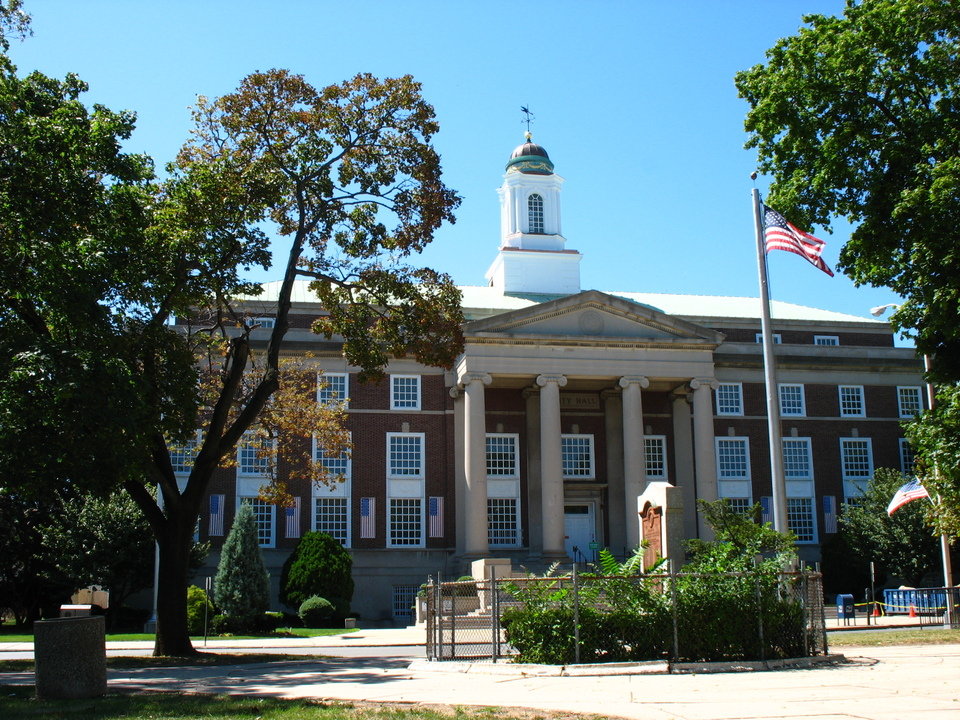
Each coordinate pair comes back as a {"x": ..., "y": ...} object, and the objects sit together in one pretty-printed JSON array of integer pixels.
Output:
[
  {"x": 316, "y": 612},
  {"x": 197, "y": 600},
  {"x": 319, "y": 566},
  {"x": 241, "y": 587}
]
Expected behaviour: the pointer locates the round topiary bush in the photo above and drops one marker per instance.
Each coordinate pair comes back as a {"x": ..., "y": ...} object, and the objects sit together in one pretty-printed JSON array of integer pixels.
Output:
[
  {"x": 319, "y": 566},
  {"x": 316, "y": 611},
  {"x": 197, "y": 601}
]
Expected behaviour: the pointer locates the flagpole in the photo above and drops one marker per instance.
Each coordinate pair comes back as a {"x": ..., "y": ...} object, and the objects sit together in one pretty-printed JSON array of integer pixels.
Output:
[{"x": 770, "y": 378}]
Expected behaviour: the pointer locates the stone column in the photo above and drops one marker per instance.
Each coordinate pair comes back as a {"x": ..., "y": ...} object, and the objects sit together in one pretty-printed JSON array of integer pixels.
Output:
[
  {"x": 531, "y": 399},
  {"x": 613, "y": 430},
  {"x": 460, "y": 474},
  {"x": 475, "y": 462},
  {"x": 704, "y": 446},
  {"x": 683, "y": 461},
  {"x": 634, "y": 453},
  {"x": 551, "y": 465}
]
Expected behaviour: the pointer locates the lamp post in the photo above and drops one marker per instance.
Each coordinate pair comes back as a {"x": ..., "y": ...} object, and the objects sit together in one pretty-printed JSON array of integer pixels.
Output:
[{"x": 931, "y": 402}]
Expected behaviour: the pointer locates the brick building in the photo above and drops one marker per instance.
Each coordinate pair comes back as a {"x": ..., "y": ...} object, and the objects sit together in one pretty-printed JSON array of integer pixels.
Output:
[{"x": 566, "y": 406}]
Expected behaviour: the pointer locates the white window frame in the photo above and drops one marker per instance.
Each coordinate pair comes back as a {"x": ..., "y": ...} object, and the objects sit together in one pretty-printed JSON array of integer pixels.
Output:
[
  {"x": 182, "y": 456},
  {"x": 339, "y": 491},
  {"x": 508, "y": 440},
  {"x": 492, "y": 539},
  {"x": 535, "y": 214},
  {"x": 803, "y": 399},
  {"x": 421, "y": 537},
  {"x": 777, "y": 338},
  {"x": 858, "y": 477},
  {"x": 325, "y": 392},
  {"x": 907, "y": 458},
  {"x": 405, "y": 405},
  {"x": 739, "y": 504},
  {"x": 733, "y": 388},
  {"x": 591, "y": 472},
  {"x": 826, "y": 340},
  {"x": 392, "y": 473},
  {"x": 248, "y": 440},
  {"x": 808, "y": 452},
  {"x": 810, "y": 508},
  {"x": 255, "y": 501},
  {"x": 863, "y": 400},
  {"x": 655, "y": 447},
  {"x": 744, "y": 442},
  {"x": 917, "y": 392},
  {"x": 315, "y": 521}
]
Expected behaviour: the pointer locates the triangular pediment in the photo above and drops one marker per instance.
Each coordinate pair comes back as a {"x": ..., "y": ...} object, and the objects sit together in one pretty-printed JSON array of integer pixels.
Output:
[{"x": 593, "y": 315}]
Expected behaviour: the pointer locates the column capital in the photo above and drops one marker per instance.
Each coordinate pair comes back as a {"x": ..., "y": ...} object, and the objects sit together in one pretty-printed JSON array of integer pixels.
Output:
[
  {"x": 471, "y": 377},
  {"x": 560, "y": 380},
  {"x": 704, "y": 384},
  {"x": 455, "y": 392},
  {"x": 628, "y": 380}
]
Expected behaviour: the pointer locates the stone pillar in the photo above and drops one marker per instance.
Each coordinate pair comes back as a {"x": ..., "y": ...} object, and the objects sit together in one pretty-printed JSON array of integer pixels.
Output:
[
  {"x": 531, "y": 399},
  {"x": 475, "y": 462},
  {"x": 634, "y": 453},
  {"x": 683, "y": 461},
  {"x": 704, "y": 446},
  {"x": 460, "y": 474},
  {"x": 613, "y": 430},
  {"x": 551, "y": 465}
]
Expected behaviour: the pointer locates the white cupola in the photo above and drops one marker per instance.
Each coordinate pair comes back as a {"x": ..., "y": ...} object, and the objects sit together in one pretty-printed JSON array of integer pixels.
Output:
[{"x": 532, "y": 256}]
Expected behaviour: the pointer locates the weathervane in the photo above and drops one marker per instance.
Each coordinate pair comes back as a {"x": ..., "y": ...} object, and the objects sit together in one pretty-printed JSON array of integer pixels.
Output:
[{"x": 527, "y": 119}]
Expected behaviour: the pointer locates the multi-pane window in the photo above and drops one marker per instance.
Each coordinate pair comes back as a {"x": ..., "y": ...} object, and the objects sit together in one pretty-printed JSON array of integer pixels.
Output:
[
  {"x": 800, "y": 519},
  {"x": 182, "y": 456},
  {"x": 405, "y": 455},
  {"x": 656, "y": 453},
  {"x": 730, "y": 399},
  {"x": 337, "y": 466},
  {"x": 404, "y": 597},
  {"x": 535, "y": 213},
  {"x": 733, "y": 460},
  {"x": 739, "y": 504},
  {"x": 826, "y": 340},
  {"x": 791, "y": 400},
  {"x": 330, "y": 516},
  {"x": 332, "y": 388},
  {"x": 502, "y": 455},
  {"x": 503, "y": 529},
  {"x": 577, "y": 456},
  {"x": 405, "y": 527},
  {"x": 851, "y": 401},
  {"x": 796, "y": 459},
  {"x": 263, "y": 514},
  {"x": 253, "y": 455},
  {"x": 856, "y": 458},
  {"x": 777, "y": 338},
  {"x": 906, "y": 457},
  {"x": 404, "y": 392},
  {"x": 909, "y": 401}
]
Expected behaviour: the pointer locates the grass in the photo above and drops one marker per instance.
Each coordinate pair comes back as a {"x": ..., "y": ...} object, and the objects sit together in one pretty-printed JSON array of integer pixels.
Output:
[
  {"x": 7, "y": 636},
  {"x": 875, "y": 638},
  {"x": 132, "y": 662},
  {"x": 20, "y": 703}
]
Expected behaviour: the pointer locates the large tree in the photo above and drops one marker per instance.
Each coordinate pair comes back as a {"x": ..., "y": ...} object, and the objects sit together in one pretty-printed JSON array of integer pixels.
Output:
[
  {"x": 859, "y": 117},
  {"x": 98, "y": 257}
]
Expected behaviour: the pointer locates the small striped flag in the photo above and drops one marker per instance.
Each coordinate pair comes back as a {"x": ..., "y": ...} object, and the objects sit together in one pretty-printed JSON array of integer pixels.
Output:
[
  {"x": 216, "y": 515},
  {"x": 766, "y": 509},
  {"x": 829, "y": 514},
  {"x": 435, "y": 508},
  {"x": 908, "y": 492},
  {"x": 293, "y": 519},
  {"x": 781, "y": 235},
  {"x": 368, "y": 515}
]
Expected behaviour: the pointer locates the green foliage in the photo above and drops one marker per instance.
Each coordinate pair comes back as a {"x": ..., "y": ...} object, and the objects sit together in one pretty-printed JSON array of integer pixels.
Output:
[
  {"x": 319, "y": 565},
  {"x": 902, "y": 545},
  {"x": 241, "y": 587},
  {"x": 935, "y": 435},
  {"x": 199, "y": 610},
  {"x": 856, "y": 117},
  {"x": 742, "y": 542},
  {"x": 316, "y": 611}
]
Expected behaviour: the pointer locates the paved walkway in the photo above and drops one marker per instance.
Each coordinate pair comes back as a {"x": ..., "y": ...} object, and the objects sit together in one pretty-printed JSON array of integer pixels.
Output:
[{"x": 889, "y": 683}]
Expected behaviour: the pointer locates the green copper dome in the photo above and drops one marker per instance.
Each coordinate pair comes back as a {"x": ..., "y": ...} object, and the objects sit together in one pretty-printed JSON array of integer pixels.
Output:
[{"x": 531, "y": 159}]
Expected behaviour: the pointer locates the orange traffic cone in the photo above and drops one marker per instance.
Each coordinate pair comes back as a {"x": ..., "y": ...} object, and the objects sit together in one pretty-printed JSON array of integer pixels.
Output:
[
  {"x": 876, "y": 610},
  {"x": 913, "y": 611}
]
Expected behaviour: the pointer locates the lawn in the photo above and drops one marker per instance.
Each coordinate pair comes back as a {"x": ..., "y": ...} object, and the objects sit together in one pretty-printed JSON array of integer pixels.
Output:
[
  {"x": 127, "y": 662},
  {"x": 8, "y": 635},
  {"x": 19, "y": 703},
  {"x": 871, "y": 638}
]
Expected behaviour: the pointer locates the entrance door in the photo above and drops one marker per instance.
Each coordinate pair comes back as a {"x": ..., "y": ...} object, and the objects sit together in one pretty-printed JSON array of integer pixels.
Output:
[{"x": 580, "y": 529}]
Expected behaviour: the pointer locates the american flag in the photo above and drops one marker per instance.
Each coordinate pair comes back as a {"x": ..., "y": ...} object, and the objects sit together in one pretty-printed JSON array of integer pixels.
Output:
[
  {"x": 368, "y": 514},
  {"x": 216, "y": 515},
  {"x": 908, "y": 492},
  {"x": 435, "y": 507},
  {"x": 766, "y": 509},
  {"x": 781, "y": 235},
  {"x": 293, "y": 519},
  {"x": 829, "y": 514}
]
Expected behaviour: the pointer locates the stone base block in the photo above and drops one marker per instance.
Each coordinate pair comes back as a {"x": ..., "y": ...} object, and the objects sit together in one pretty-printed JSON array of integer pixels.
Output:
[{"x": 71, "y": 657}]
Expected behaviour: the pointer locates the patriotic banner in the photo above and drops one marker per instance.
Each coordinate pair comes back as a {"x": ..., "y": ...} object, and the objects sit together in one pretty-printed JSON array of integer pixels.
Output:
[
  {"x": 368, "y": 516},
  {"x": 216, "y": 515},
  {"x": 766, "y": 509},
  {"x": 293, "y": 519},
  {"x": 829, "y": 514},
  {"x": 781, "y": 235},
  {"x": 908, "y": 492},
  {"x": 435, "y": 507}
]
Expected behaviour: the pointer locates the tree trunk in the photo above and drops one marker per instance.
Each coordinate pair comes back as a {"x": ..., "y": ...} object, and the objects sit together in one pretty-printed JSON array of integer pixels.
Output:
[{"x": 173, "y": 639}]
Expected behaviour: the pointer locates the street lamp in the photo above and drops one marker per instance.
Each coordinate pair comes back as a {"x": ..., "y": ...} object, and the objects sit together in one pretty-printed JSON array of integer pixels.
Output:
[{"x": 931, "y": 402}]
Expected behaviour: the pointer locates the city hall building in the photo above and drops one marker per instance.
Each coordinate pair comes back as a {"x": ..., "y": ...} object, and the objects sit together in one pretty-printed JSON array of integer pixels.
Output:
[{"x": 566, "y": 408}]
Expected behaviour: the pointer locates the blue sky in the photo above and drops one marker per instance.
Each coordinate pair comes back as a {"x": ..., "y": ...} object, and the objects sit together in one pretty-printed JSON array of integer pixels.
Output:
[{"x": 634, "y": 101}]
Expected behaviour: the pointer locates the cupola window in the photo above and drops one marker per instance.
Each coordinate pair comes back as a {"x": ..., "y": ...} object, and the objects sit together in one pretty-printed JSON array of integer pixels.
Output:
[{"x": 535, "y": 213}]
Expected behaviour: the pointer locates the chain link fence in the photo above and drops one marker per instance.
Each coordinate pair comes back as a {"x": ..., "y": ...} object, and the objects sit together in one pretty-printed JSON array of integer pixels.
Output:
[{"x": 581, "y": 618}]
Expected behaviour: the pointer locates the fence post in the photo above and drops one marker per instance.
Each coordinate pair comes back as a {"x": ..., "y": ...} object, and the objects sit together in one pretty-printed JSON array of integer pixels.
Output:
[
  {"x": 494, "y": 615},
  {"x": 756, "y": 583},
  {"x": 804, "y": 603},
  {"x": 673, "y": 611},
  {"x": 576, "y": 615}
]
